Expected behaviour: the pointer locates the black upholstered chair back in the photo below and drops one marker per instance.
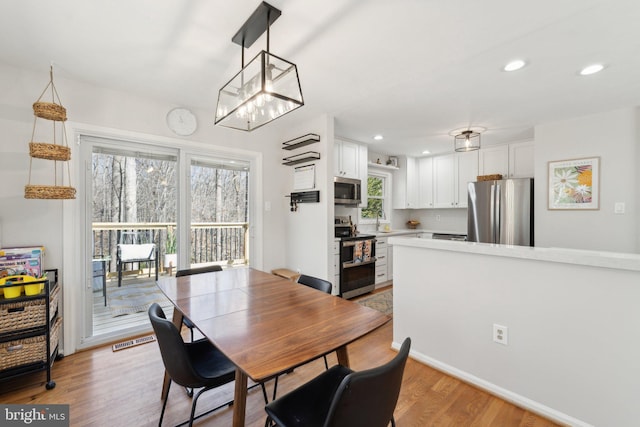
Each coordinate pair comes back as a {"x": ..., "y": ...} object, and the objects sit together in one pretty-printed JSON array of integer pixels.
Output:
[
  {"x": 172, "y": 348},
  {"x": 314, "y": 282},
  {"x": 368, "y": 398},
  {"x": 198, "y": 270}
]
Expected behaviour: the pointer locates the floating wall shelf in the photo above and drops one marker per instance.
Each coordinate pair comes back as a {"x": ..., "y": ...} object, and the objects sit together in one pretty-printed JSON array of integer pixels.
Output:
[
  {"x": 301, "y": 141},
  {"x": 301, "y": 158},
  {"x": 381, "y": 166}
]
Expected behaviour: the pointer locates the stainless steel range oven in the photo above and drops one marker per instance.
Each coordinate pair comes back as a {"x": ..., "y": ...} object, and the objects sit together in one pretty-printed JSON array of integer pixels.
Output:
[{"x": 357, "y": 265}]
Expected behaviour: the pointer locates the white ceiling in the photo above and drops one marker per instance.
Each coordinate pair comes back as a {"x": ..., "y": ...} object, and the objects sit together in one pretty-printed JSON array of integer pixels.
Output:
[{"x": 412, "y": 70}]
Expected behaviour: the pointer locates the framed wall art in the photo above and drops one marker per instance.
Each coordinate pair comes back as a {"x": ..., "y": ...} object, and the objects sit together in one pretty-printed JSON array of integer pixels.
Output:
[{"x": 574, "y": 184}]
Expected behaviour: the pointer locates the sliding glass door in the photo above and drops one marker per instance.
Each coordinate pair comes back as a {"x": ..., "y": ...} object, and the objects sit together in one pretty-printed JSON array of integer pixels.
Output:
[
  {"x": 219, "y": 216},
  {"x": 150, "y": 211},
  {"x": 133, "y": 228}
]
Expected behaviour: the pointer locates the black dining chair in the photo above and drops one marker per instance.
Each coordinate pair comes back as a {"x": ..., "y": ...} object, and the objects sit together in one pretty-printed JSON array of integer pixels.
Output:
[
  {"x": 321, "y": 285},
  {"x": 341, "y": 397},
  {"x": 196, "y": 364},
  {"x": 188, "y": 272}
]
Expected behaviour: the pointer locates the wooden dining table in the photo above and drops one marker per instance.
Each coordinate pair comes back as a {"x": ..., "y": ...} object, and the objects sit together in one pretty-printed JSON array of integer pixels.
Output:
[{"x": 265, "y": 324}]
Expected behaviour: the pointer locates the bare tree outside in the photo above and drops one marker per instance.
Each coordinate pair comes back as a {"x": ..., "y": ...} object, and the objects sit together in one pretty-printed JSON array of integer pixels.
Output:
[{"x": 142, "y": 189}]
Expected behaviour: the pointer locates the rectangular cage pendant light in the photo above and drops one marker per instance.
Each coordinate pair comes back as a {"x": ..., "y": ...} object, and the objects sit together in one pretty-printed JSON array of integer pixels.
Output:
[{"x": 266, "y": 88}]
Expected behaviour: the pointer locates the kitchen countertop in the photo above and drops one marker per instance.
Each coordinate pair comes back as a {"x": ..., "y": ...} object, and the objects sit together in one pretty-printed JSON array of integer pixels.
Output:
[
  {"x": 416, "y": 231},
  {"x": 615, "y": 260}
]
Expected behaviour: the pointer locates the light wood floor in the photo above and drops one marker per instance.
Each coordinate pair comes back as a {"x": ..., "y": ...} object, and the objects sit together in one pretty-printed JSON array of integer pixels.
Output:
[{"x": 123, "y": 389}]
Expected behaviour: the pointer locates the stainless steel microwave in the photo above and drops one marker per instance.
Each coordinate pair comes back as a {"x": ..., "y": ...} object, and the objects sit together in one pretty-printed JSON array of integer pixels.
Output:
[{"x": 347, "y": 191}]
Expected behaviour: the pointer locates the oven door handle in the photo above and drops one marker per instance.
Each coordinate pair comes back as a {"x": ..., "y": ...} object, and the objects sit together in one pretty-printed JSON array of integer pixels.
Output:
[
  {"x": 353, "y": 242},
  {"x": 357, "y": 264}
]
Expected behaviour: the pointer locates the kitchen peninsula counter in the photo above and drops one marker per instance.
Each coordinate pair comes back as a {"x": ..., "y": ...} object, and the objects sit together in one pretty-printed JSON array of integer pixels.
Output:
[
  {"x": 405, "y": 232},
  {"x": 571, "y": 317},
  {"x": 623, "y": 261}
]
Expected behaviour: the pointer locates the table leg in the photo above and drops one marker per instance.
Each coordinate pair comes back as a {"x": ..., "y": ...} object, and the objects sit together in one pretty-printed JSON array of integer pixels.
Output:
[
  {"x": 240, "y": 398},
  {"x": 343, "y": 356},
  {"x": 177, "y": 320}
]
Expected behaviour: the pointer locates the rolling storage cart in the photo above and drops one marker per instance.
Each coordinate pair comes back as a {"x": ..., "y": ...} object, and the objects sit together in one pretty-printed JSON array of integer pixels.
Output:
[{"x": 30, "y": 326}]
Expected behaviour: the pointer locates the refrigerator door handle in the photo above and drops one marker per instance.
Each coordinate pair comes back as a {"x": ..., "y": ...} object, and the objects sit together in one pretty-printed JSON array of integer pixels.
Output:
[
  {"x": 498, "y": 209},
  {"x": 492, "y": 214}
]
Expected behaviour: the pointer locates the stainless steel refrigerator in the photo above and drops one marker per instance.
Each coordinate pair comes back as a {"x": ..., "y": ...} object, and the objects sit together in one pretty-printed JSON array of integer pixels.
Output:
[{"x": 501, "y": 212}]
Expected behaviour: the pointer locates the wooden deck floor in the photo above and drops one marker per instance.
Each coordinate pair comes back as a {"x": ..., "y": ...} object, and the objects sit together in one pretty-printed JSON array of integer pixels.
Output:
[{"x": 105, "y": 323}]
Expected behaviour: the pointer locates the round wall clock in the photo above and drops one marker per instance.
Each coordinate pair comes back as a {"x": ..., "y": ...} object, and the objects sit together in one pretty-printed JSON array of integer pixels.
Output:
[{"x": 182, "y": 121}]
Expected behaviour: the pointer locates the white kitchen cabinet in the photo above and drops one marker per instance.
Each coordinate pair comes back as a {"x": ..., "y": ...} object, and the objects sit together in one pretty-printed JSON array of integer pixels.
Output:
[
  {"x": 466, "y": 172},
  {"x": 451, "y": 174},
  {"x": 443, "y": 181},
  {"x": 521, "y": 160},
  {"x": 494, "y": 160},
  {"x": 425, "y": 183},
  {"x": 346, "y": 159},
  {"x": 363, "y": 161},
  {"x": 381, "y": 260},
  {"x": 336, "y": 268},
  {"x": 389, "y": 262},
  {"x": 513, "y": 160},
  {"x": 405, "y": 184}
]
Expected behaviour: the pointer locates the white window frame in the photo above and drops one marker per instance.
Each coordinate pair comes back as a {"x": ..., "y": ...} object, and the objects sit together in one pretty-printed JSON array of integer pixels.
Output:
[{"x": 386, "y": 203}]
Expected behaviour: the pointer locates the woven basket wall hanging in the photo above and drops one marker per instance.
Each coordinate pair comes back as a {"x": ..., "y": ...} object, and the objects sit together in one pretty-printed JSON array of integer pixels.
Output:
[{"x": 54, "y": 112}]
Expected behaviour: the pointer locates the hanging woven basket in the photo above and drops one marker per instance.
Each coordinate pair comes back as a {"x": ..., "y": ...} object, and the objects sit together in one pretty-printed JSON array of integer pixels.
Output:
[
  {"x": 49, "y": 192},
  {"x": 50, "y": 111},
  {"x": 55, "y": 112},
  {"x": 43, "y": 150}
]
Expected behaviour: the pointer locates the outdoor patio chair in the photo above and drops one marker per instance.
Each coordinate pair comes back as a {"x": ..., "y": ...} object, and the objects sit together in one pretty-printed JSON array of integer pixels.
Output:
[{"x": 132, "y": 253}]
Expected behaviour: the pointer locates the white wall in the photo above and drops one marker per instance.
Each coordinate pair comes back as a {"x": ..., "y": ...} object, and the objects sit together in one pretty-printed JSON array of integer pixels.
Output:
[
  {"x": 613, "y": 136},
  {"x": 309, "y": 238},
  {"x": 572, "y": 350}
]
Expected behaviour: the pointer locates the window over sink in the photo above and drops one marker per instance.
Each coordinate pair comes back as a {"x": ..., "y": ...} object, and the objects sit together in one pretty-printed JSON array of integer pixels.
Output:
[{"x": 378, "y": 198}]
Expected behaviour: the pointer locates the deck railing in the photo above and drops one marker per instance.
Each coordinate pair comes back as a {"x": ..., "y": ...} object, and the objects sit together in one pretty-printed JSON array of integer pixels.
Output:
[{"x": 211, "y": 242}]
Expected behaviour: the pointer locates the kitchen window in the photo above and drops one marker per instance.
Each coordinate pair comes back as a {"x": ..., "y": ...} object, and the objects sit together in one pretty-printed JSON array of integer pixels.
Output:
[{"x": 378, "y": 198}]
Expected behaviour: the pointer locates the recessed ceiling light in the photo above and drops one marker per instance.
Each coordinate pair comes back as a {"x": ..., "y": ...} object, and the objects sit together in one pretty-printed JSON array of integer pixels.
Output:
[
  {"x": 514, "y": 65},
  {"x": 426, "y": 152},
  {"x": 591, "y": 69},
  {"x": 378, "y": 137}
]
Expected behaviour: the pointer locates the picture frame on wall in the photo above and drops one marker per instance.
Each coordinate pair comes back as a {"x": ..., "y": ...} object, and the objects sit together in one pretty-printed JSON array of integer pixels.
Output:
[{"x": 574, "y": 184}]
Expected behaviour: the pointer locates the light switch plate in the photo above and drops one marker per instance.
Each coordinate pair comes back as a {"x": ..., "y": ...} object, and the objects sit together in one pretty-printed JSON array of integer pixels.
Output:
[{"x": 618, "y": 208}]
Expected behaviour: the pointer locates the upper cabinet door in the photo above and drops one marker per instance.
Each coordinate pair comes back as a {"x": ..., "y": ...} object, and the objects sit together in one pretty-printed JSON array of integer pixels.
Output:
[
  {"x": 467, "y": 172},
  {"x": 346, "y": 159},
  {"x": 451, "y": 175},
  {"x": 521, "y": 160},
  {"x": 494, "y": 160},
  {"x": 405, "y": 184},
  {"x": 425, "y": 183},
  {"x": 443, "y": 181}
]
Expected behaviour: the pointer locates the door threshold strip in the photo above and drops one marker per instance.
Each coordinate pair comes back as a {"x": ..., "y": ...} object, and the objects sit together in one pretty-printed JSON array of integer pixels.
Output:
[{"x": 132, "y": 343}]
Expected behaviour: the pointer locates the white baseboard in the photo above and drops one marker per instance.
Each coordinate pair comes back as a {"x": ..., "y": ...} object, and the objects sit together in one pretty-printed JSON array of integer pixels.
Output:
[{"x": 507, "y": 395}]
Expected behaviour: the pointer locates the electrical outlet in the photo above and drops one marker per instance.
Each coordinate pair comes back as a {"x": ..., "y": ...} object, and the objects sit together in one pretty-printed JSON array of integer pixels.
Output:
[{"x": 500, "y": 334}]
